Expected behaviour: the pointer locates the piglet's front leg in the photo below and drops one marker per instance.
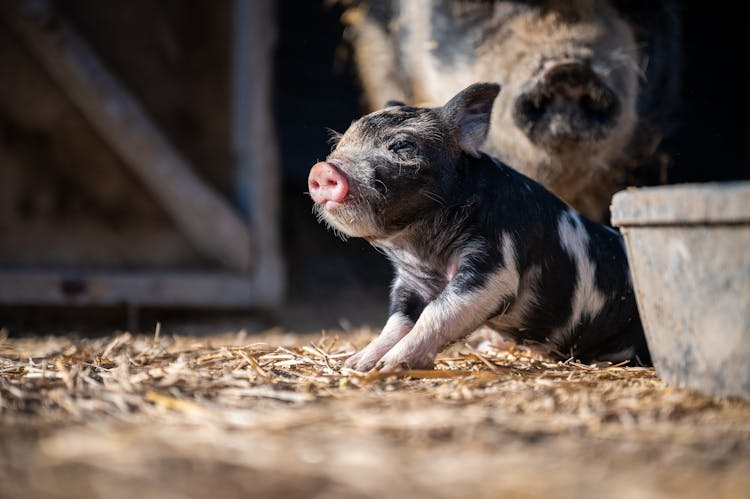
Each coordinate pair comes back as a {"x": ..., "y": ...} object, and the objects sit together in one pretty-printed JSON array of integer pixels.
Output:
[
  {"x": 396, "y": 328},
  {"x": 405, "y": 307},
  {"x": 465, "y": 304}
]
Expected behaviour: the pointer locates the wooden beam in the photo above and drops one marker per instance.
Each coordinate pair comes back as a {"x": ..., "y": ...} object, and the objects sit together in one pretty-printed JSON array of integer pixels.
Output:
[
  {"x": 257, "y": 166},
  {"x": 199, "y": 212},
  {"x": 144, "y": 288}
]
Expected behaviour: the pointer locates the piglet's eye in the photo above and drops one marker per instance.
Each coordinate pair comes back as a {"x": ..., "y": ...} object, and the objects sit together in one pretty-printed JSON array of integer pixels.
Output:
[{"x": 402, "y": 147}]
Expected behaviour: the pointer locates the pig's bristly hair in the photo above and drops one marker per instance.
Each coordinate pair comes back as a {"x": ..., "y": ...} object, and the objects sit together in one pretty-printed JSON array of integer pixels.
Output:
[
  {"x": 334, "y": 137},
  {"x": 319, "y": 213}
]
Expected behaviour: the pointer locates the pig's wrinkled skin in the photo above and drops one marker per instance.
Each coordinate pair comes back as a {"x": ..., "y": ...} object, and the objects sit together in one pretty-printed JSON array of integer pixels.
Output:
[
  {"x": 472, "y": 241},
  {"x": 587, "y": 84}
]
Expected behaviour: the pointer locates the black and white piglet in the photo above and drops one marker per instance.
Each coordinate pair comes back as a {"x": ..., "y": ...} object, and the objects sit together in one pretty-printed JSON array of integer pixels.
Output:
[{"x": 473, "y": 242}]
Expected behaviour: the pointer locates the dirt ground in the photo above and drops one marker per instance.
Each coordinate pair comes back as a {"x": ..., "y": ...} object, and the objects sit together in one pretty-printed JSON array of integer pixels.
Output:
[{"x": 275, "y": 415}]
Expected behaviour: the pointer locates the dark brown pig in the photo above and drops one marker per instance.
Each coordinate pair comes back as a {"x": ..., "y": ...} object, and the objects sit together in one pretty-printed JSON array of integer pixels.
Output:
[{"x": 587, "y": 83}]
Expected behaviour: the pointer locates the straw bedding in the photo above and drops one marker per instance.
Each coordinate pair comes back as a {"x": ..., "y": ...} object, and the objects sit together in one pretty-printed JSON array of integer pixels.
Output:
[{"x": 274, "y": 414}]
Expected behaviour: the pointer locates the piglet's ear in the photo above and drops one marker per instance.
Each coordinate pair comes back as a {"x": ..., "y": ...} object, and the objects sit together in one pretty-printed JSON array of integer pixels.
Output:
[
  {"x": 396, "y": 103},
  {"x": 469, "y": 114}
]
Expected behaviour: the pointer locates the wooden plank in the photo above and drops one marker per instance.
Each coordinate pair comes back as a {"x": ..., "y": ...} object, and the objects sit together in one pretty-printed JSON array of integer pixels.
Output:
[
  {"x": 201, "y": 214},
  {"x": 166, "y": 289},
  {"x": 257, "y": 168}
]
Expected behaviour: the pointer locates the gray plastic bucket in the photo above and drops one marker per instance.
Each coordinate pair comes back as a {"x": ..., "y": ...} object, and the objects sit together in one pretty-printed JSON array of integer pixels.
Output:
[{"x": 689, "y": 253}]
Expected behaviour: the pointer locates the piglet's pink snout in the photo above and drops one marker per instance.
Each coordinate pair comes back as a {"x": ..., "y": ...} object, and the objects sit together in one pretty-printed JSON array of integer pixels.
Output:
[{"x": 327, "y": 184}]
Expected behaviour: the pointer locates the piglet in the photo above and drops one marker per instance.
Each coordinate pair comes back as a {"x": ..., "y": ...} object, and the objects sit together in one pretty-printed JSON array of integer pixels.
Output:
[{"x": 473, "y": 241}]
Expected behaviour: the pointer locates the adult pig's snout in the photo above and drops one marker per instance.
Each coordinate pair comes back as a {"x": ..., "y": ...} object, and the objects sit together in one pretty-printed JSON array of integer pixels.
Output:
[
  {"x": 327, "y": 184},
  {"x": 570, "y": 103}
]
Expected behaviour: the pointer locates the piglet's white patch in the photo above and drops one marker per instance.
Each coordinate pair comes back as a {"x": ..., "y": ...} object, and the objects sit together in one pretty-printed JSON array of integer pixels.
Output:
[
  {"x": 397, "y": 327},
  {"x": 504, "y": 281},
  {"x": 513, "y": 320},
  {"x": 588, "y": 300},
  {"x": 520, "y": 287}
]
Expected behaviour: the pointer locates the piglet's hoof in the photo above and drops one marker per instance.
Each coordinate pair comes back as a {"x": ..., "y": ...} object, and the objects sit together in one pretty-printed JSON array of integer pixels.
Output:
[
  {"x": 400, "y": 363},
  {"x": 388, "y": 368},
  {"x": 361, "y": 362}
]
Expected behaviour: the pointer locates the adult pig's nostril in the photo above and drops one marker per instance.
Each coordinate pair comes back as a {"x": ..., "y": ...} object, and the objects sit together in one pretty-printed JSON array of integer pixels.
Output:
[{"x": 327, "y": 184}]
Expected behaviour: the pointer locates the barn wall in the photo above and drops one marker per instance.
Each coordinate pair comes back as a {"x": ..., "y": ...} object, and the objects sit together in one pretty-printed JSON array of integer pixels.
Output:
[{"x": 66, "y": 198}]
